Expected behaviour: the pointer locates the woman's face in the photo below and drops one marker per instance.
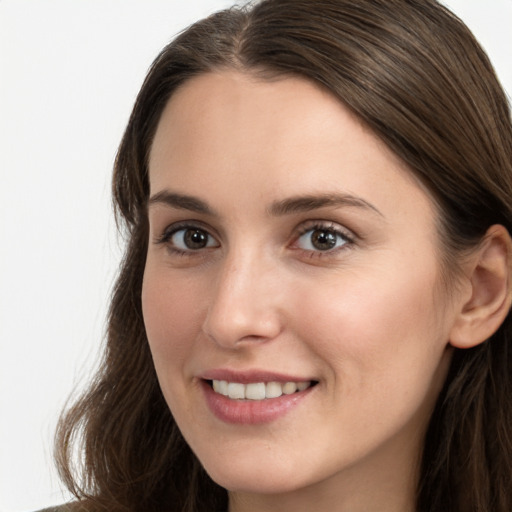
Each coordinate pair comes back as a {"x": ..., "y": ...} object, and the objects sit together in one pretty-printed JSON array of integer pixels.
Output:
[{"x": 289, "y": 245}]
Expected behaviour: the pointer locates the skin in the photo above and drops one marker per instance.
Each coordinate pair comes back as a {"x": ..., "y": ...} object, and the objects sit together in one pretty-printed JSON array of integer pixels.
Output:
[{"x": 368, "y": 320}]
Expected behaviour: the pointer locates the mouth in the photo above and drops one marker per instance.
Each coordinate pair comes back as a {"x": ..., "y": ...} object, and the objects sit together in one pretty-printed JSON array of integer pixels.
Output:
[
  {"x": 254, "y": 397},
  {"x": 258, "y": 391}
]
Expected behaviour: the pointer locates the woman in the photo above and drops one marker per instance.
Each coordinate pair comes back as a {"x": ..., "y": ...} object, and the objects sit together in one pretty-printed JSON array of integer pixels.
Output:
[{"x": 312, "y": 313}]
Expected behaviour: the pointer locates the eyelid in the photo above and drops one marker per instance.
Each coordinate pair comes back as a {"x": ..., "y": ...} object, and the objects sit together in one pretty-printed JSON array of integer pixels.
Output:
[
  {"x": 323, "y": 225},
  {"x": 171, "y": 229},
  {"x": 309, "y": 225}
]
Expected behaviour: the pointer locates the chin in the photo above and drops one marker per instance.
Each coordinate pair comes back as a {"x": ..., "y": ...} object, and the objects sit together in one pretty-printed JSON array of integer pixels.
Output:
[
  {"x": 254, "y": 482},
  {"x": 254, "y": 475}
]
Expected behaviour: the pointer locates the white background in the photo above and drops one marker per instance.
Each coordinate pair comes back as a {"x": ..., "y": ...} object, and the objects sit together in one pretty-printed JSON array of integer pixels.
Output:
[{"x": 69, "y": 73}]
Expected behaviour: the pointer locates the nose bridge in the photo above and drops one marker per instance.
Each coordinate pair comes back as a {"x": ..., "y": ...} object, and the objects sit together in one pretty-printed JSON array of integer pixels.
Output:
[{"x": 243, "y": 305}]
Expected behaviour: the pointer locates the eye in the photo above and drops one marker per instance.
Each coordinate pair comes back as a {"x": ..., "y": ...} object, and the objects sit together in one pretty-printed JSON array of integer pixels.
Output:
[
  {"x": 191, "y": 239},
  {"x": 323, "y": 239}
]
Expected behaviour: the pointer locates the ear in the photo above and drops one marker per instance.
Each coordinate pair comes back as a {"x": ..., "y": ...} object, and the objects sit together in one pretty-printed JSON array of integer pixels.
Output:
[{"x": 489, "y": 276}]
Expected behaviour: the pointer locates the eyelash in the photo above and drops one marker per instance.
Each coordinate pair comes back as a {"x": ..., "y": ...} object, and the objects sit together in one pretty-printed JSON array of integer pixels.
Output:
[
  {"x": 166, "y": 236},
  {"x": 345, "y": 235}
]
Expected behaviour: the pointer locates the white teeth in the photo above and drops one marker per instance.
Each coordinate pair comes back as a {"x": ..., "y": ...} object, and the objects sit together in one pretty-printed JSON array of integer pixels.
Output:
[
  {"x": 222, "y": 387},
  {"x": 236, "y": 390},
  {"x": 289, "y": 388},
  {"x": 273, "y": 390},
  {"x": 257, "y": 390},
  {"x": 301, "y": 386}
]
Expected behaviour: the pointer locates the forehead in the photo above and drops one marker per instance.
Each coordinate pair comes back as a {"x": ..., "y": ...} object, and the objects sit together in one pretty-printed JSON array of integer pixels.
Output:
[{"x": 271, "y": 139}]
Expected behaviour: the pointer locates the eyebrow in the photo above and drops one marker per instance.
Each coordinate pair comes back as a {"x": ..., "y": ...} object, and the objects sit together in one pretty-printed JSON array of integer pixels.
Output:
[
  {"x": 308, "y": 203},
  {"x": 288, "y": 206},
  {"x": 181, "y": 202}
]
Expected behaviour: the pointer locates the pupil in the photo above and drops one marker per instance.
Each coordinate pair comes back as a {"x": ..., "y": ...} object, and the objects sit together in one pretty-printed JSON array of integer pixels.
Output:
[
  {"x": 195, "y": 239},
  {"x": 323, "y": 240}
]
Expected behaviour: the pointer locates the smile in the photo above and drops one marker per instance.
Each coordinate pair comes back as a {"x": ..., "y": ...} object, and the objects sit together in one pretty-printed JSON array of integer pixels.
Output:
[
  {"x": 253, "y": 397},
  {"x": 258, "y": 390}
]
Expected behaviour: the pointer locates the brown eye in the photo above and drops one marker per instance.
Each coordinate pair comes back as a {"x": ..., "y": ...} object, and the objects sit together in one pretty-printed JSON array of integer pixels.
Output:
[
  {"x": 321, "y": 239},
  {"x": 195, "y": 238},
  {"x": 192, "y": 239}
]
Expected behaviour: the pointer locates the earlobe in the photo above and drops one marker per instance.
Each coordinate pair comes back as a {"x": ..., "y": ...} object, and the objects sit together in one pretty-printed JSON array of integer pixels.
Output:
[{"x": 489, "y": 276}]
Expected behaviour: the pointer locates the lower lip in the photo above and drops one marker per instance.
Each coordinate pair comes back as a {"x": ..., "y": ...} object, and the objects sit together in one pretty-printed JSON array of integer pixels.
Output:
[{"x": 251, "y": 412}]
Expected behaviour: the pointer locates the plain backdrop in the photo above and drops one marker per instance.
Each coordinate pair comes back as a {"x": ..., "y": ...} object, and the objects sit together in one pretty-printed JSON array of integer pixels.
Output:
[{"x": 69, "y": 73}]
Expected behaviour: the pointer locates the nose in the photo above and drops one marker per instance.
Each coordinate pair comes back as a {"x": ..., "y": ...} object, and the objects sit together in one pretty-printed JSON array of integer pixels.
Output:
[{"x": 245, "y": 302}]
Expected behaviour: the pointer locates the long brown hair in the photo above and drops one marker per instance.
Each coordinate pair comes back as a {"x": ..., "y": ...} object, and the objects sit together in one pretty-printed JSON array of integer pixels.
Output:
[{"x": 415, "y": 75}]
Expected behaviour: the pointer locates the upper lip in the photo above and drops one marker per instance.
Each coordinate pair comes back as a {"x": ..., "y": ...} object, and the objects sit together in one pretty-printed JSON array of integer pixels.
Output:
[{"x": 248, "y": 376}]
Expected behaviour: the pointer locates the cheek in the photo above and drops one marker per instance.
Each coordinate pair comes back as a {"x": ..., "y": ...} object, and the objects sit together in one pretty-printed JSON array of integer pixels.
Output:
[
  {"x": 385, "y": 349},
  {"x": 172, "y": 315},
  {"x": 376, "y": 326}
]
